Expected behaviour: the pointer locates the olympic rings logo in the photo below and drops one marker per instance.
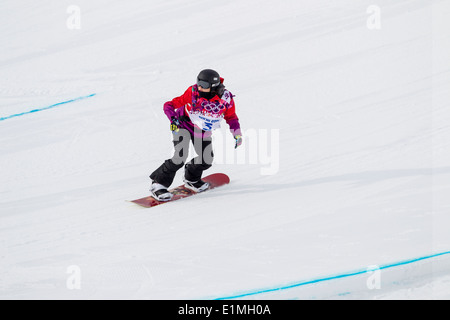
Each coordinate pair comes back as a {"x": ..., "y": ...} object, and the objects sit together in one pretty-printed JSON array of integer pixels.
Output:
[{"x": 213, "y": 107}]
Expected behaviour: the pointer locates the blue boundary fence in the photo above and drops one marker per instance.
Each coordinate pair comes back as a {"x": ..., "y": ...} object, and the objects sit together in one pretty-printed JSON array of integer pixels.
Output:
[
  {"x": 47, "y": 107},
  {"x": 329, "y": 278}
]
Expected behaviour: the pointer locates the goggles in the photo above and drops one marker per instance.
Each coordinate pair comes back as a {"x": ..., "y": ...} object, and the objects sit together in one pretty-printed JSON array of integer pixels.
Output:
[{"x": 206, "y": 84}]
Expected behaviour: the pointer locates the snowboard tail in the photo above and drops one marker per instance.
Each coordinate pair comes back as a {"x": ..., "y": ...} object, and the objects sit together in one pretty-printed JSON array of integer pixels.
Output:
[{"x": 215, "y": 180}]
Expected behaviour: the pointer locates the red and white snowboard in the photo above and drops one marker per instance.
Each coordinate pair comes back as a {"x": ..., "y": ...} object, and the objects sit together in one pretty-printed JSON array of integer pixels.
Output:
[{"x": 215, "y": 180}]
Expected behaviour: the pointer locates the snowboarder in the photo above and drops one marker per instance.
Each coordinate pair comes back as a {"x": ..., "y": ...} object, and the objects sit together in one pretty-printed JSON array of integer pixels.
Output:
[{"x": 193, "y": 116}]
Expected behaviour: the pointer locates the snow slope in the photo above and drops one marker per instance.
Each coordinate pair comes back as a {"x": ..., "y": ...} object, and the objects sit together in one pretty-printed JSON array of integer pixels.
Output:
[{"x": 345, "y": 166}]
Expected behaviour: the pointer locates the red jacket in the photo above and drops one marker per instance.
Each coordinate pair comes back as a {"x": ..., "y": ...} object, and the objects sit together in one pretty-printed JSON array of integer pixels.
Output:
[{"x": 202, "y": 116}]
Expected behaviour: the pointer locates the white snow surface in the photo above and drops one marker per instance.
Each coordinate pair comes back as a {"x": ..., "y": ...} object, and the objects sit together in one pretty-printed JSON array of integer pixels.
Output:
[{"x": 345, "y": 162}]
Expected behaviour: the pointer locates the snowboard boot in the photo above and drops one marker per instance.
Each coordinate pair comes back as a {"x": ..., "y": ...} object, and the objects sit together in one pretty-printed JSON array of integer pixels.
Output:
[
  {"x": 197, "y": 186},
  {"x": 160, "y": 192}
]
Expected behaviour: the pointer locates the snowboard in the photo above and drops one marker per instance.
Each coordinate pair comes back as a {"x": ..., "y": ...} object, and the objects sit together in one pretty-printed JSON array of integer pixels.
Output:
[{"x": 215, "y": 180}]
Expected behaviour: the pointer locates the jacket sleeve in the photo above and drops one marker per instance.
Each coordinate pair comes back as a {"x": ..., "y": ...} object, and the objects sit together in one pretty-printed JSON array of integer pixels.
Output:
[
  {"x": 171, "y": 107},
  {"x": 232, "y": 119}
]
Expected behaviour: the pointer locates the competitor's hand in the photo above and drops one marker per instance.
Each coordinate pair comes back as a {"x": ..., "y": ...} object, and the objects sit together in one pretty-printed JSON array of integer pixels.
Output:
[
  {"x": 238, "y": 139},
  {"x": 174, "y": 124}
]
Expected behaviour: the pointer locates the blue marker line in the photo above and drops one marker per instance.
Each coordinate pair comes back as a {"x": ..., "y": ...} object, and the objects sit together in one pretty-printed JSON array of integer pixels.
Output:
[
  {"x": 339, "y": 276},
  {"x": 46, "y": 108}
]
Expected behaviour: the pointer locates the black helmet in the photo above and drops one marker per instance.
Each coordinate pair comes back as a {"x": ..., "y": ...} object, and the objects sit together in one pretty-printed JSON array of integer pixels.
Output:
[{"x": 208, "y": 79}]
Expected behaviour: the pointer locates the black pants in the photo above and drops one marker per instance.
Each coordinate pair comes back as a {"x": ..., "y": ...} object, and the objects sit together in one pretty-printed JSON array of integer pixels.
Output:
[{"x": 194, "y": 168}]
